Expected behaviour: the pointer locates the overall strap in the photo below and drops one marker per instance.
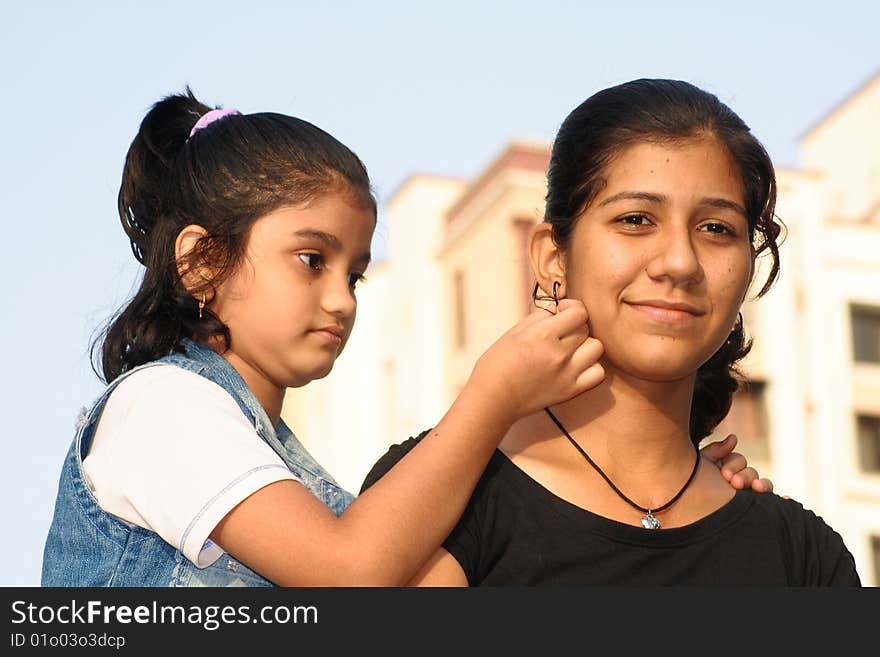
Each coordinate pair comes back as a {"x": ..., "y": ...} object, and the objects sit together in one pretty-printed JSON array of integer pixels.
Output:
[
  {"x": 208, "y": 363},
  {"x": 88, "y": 417}
]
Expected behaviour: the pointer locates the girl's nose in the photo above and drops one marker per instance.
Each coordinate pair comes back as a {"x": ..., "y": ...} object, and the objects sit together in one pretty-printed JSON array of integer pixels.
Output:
[
  {"x": 338, "y": 298},
  {"x": 676, "y": 258}
]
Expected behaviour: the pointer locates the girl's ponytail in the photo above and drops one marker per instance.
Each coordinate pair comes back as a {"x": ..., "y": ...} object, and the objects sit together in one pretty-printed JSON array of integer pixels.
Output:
[
  {"x": 155, "y": 319},
  {"x": 717, "y": 380},
  {"x": 149, "y": 164}
]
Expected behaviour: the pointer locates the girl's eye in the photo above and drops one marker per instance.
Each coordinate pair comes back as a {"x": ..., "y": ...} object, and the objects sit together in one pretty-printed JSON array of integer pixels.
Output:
[
  {"x": 717, "y": 228},
  {"x": 354, "y": 279},
  {"x": 312, "y": 260},
  {"x": 635, "y": 220}
]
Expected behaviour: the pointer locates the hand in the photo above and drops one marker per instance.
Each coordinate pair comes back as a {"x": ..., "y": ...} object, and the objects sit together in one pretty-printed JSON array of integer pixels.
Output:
[
  {"x": 545, "y": 359},
  {"x": 734, "y": 467}
]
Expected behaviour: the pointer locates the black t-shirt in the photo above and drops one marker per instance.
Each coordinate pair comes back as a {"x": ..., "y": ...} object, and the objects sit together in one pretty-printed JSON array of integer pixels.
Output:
[{"x": 516, "y": 532}]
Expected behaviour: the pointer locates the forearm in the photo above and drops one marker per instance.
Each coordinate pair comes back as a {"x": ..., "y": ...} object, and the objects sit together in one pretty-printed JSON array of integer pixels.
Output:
[
  {"x": 417, "y": 503},
  {"x": 386, "y": 534}
]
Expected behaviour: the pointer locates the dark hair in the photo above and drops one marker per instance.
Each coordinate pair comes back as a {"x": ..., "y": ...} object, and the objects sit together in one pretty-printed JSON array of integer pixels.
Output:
[
  {"x": 223, "y": 178},
  {"x": 665, "y": 111}
]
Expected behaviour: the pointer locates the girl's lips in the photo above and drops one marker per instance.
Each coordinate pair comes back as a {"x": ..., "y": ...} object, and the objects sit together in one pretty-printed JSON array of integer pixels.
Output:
[
  {"x": 664, "y": 314},
  {"x": 328, "y": 335}
]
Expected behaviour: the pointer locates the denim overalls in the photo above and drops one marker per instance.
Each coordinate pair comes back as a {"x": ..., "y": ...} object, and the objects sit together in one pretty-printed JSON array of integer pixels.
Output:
[{"x": 87, "y": 546}]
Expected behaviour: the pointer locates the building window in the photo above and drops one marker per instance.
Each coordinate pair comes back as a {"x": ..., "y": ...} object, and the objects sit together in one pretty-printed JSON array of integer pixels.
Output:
[
  {"x": 748, "y": 420},
  {"x": 869, "y": 442},
  {"x": 459, "y": 301},
  {"x": 875, "y": 552},
  {"x": 866, "y": 333}
]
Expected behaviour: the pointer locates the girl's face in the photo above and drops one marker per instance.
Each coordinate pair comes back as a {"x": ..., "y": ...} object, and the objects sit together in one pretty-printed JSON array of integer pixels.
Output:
[
  {"x": 290, "y": 305},
  {"x": 662, "y": 258}
]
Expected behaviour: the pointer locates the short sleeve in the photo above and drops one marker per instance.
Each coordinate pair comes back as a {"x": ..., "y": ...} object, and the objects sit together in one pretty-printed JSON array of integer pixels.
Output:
[
  {"x": 174, "y": 453},
  {"x": 390, "y": 459},
  {"x": 829, "y": 562},
  {"x": 463, "y": 542}
]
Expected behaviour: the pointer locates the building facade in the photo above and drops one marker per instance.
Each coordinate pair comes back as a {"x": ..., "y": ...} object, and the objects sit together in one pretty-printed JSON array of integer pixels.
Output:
[{"x": 457, "y": 277}]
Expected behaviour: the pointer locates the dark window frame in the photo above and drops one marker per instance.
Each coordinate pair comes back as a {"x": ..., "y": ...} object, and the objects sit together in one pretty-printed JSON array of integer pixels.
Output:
[
  {"x": 756, "y": 444},
  {"x": 865, "y": 333},
  {"x": 868, "y": 439}
]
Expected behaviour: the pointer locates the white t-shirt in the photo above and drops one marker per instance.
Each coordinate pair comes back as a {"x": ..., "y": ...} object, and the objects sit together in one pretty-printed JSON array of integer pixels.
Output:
[{"x": 174, "y": 453}]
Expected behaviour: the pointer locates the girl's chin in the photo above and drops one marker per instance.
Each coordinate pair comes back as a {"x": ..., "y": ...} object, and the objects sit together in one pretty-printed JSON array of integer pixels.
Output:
[
  {"x": 304, "y": 377},
  {"x": 665, "y": 370},
  {"x": 320, "y": 373},
  {"x": 665, "y": 360}
]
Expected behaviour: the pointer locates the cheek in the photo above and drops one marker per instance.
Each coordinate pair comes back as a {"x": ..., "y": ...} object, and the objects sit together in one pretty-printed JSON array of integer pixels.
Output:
[
  {"x": 349, "y": 323},
  {"x": 239, "y": 284},
  {"x": 349, "y": 326},
  {"x": 741, "y": 272},
  {"x": 227, "y": 297},
  {"x": 733, "y": 284},
  {"x": 599, "y": 269},
  {"x": 599, "y": 279}
]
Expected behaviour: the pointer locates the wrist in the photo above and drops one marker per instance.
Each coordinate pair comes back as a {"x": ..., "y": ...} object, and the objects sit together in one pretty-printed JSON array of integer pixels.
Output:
[{"x": 492, "y": 394}]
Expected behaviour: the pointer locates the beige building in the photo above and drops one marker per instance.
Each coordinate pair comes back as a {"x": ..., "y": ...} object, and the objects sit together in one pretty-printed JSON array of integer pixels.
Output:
[{"x": 456, "y": 278}]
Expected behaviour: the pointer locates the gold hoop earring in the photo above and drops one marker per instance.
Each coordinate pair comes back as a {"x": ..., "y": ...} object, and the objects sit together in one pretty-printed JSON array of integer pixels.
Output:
[{"x": 202, "y": 304}]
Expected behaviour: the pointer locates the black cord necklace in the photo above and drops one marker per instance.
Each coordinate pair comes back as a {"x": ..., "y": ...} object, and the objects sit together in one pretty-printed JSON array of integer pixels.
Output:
[{"x": 649, "y": 521}]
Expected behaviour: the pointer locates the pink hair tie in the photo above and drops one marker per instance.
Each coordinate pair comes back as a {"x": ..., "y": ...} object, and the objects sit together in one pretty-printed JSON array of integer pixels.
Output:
[{"x": 208, "y": 118}]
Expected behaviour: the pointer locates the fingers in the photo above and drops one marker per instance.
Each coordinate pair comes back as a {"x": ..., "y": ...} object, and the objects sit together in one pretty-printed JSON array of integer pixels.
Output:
[
  {"x": 748, "y": 478},
  {"x": 745, "y": 477},
  {"x": 571, "y": 318},
  {"x": 588, "y": 353},
  {"x": 732, "y": 464},
  {"x": 569, "y": 303},
  {"x": 590, "y": 378},
  {"x": 585, "y": 360},
  {"x": 718, "y": 450},
  {"x": 742, "y": 478},
  {"x": 734, "y": 467},
  {"x": 762, "y": 485}
]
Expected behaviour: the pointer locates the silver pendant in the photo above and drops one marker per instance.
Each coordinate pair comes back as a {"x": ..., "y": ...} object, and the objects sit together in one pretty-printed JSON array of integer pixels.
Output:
[{"x": 650, "y": 522}]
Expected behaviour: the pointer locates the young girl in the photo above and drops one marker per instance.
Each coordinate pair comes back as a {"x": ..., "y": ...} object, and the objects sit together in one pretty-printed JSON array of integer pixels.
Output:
[
  {"x": 659, "y": 200},
  {"x": 254, "y": 231}
]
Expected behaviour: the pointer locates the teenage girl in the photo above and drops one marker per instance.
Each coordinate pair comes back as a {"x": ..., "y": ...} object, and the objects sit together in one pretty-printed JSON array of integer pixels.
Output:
[
  {"x": 659, "y": 201},
  {"x": 254, "y": 231}
]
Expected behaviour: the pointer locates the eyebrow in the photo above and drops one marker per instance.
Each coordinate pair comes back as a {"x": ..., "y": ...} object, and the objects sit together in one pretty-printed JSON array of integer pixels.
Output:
[
  {"x": 331, "y": 241},
  {"x": 633, "y": 196},
  {"x": 709, "y": 201}
]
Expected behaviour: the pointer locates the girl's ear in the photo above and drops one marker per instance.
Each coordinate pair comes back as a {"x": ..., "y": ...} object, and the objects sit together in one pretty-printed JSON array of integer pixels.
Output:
[
  {"x": 546, "y": 259},
  {"x": 190, "y": 267}
]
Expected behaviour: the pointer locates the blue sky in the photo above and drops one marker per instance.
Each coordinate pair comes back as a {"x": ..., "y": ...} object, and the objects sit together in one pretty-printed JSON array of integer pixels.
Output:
[{"x": 411, "y": 87}]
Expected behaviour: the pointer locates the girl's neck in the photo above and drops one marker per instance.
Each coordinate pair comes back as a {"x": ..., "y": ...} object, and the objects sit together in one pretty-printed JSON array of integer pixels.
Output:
[
  {"x": 632, "y": 426},
  {"x": 270, "y": 396},
  {"x": 637, "y": 432}
]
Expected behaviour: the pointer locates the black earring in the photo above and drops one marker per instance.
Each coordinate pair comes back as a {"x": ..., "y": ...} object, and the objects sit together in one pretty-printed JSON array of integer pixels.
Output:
[{"x": 537, "y": 298}]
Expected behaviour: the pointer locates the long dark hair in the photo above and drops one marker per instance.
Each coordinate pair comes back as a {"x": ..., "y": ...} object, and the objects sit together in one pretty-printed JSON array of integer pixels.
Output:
[
  {"x": 660, "y": 111},
  {"x": 223, "y": 178}
]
